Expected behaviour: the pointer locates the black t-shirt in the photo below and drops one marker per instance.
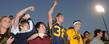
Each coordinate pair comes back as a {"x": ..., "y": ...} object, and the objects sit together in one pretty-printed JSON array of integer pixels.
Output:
[{"x": 21, "y": 38}]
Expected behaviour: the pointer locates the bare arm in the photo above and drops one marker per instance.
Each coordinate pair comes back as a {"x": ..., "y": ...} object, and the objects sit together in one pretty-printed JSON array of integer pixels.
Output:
[
  {"x": 50, "y": 12},
  {"x": 32, "y": 37},
  {"x": 21, "y": 13},
  {"x": 15, "y": 21},
  {"x": 36, "y": 35}
]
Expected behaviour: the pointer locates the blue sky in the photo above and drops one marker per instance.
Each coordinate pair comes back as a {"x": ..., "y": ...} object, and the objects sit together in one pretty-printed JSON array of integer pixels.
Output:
[{"x": 71, "y": 9}]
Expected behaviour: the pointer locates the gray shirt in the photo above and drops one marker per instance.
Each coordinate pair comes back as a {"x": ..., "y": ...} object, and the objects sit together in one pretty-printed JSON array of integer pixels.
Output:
[{"x": 96, "y": 41}]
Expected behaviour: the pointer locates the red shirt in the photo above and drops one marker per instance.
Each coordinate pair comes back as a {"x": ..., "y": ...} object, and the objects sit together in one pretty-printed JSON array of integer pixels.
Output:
[{"x": 39, "y": 40}]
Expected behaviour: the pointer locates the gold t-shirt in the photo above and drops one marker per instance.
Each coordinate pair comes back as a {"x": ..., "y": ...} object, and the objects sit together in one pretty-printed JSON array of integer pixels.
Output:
[{"x": 74, "y": 37}]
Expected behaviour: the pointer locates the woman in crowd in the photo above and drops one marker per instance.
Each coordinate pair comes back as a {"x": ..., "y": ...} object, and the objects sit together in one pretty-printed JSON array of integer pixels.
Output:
[
  {"x": 5, "y": 23},
  {"x": 22, "y": 26},
  {"x": 87, "y": 37}
]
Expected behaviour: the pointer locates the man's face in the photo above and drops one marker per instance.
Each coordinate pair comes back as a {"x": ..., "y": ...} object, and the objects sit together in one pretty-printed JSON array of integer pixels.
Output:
[
  {"x": 42, "y": 29},
  {"x": 25, "y": 26},
  {"x": 100, "y": 34},
  {"x": 61, "y": 18},
  {"x": 77, "y": 26}
]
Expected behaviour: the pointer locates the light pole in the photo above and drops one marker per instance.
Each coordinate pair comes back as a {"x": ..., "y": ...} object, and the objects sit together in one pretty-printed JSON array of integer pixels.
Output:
[{"x": 101, "y": 10}]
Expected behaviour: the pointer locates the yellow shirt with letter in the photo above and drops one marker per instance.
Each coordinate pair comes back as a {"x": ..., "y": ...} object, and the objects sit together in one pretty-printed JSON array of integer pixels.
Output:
[{"x": 74, "y": 37}]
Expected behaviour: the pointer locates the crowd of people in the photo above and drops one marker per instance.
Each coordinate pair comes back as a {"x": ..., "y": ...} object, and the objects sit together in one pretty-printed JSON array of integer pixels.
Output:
[{"x": 21, "y": 30}]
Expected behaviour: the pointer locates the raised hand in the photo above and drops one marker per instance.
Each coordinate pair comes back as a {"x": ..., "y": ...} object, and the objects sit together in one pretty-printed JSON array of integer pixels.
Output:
[
  {"x": 22, "y": 12},
  {"x": 31, "y": 8},
  {"x": 27, "y": 16},
  {"x": 56, "y": 2}
]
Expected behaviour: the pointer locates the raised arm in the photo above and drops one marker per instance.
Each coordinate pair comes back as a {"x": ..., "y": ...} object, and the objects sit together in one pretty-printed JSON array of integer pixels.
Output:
[
  {"x": 15, "y": 21},
  {"x": 22, "y": 13},
  {"x": 50, "y": 12}
]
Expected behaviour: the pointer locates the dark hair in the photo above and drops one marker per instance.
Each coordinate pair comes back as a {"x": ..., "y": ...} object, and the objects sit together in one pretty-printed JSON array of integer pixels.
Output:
[
  {"x": 97, "y": 31},
  {"x": 11, "y": 17},
  {"x": 59, "y": 13},
  {"x": 23, "y": 21},
  {"x": 104, "y": 32},
  {"x": 71, "y": 28},
  {"x": 38, "y": 24},
  {"x": 85, "y": 33},
  {"x": 103, "y": 36}
]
